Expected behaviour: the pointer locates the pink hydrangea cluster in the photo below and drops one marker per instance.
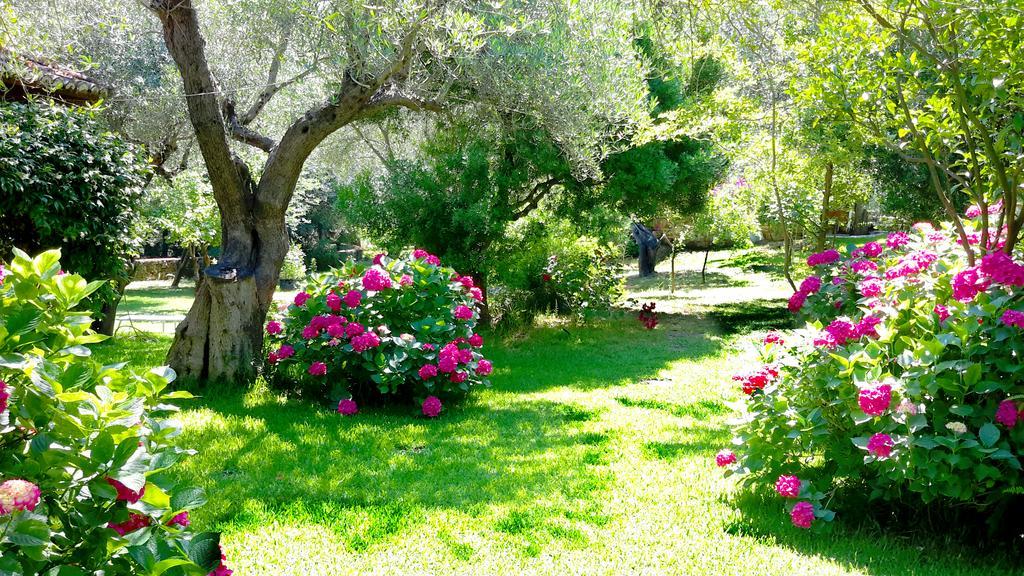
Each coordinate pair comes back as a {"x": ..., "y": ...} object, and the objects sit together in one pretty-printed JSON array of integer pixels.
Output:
[
  {"x": 376, "y": 279},
  {"x": 863, "y": 266},
  {"x": 810, "y": 285},
  {"x": 334, "y": 302},
  {"x": 222, "y": 570},
  {"x": 869, "y": 250},
  {"x": 974, "y": 211},
  {"x": 347, "y": 407},
  {"x": 725, "y": 458},
  {"x": 18, "y": 495},
  {"x": 911, "y": 265},
  {"x": 180, "y": 519},
  {"x": 897, "y": 240},
  {"x": 757, "y": 379},
  {"x": 317, "y": 369},
  {"x": 1013, "y": 318},
  {"x": 125, "y": 493},
  {"x": 880, "y": 445},
  {"x": 463, "y": 312},
  {"x": 871, "y": 287},
  {"x": 365, "y": 341},
  {"x": 353, "y": 298},
  {"x": 1007, "y": 414},
  {"x": 1001, "y": 269},
  {"x": 942, "y": 312},
  {"x": 774, "y": 337},
  {"x": 134, "y": 522},
  {"x": 788, "y": 486},
  {"x": 274, "y": 328},
  {"x": 875, "y": 400},
  {"x": 5, "y": 396},
  {"x": 431, "y": 407},
  {"x": 301, "y": 298},
  {"x": 968, "y": 283},
  {"x": 421, "y": 254},
  {"x": 802, "y": 514},
  {"x": 823, "y": 258},
  {"x": 428, "y": 371}
]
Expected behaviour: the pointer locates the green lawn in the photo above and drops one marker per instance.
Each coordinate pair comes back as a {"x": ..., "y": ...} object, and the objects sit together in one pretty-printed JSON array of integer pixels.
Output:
[{"x": 591, "y": 454}]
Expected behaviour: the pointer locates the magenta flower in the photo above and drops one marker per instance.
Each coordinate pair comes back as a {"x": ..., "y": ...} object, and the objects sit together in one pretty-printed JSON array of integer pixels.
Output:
[
  {"x": 317, "y": 369},
  {"x": 466, "y": 281},
  {"x": 796, "y": 301},
  {"x": 822, "y": 258},
  {"x": 376, "y": 279},
  {"x": 354, "y": 329},
  {"x": 334, "y": 302},
  {"x": 871, "y": 249},
  {"x": 447, "y": 364},
  {"x": 378, "y": 259},
  {"x": 476, "y": 341},
  {"x": 285, "y": 352},
  {"x": 1013, "y": 318},
  {"x": 405, "y": 280},
  {"x": 942, "y": 312},
  {"x": 18, "y": 495},
  {"x": 133, "y": 523},
  {"x": 301, "y": 298},
  {"x": 274, "y": 327},
  {"x": 465, "y": 355},
  {"x": 802, "y": 515},
  {"x": 5, "y": 395},
  {"x": 463, "y": 312},
  {"x": 484, "y": 367},
  {"x": 876, "y": 400},
  {"x": 180, "y": 520},
  {"x": 1002, "y": 269},
  {"x": 867, "y": 327},
  {"x": 870, "y": 287},
  {"x": 431, "y": 407},
  {"x": 336, "y": 330},
  {"x": 862, "y": 266},
  {"x": 725, "y": 458},
  {"x": 365, "y": 341},
  {"x": 788, "y": 486},
  {"x": 433, "y": 260},
  {"x": 880, "y": 445},
  {"x": 428, "y": 371},
  {"x": 810, "y": 285},
  {"x": 125, "y": 493},
  {"x": 897, "y": 240},
  {"x": 420, "y": 253},
  {"x": 969, "y": 283},
  {"x": 1007, "y": 414},
  {"x": 221, "y": 570},
  {"x": 310, "y": 332},
  {"x": 428, "y": 346},
  {"x": 347, "y": 407},
  {"x": 774, "y": 337},
  {"x": 458, "y": 377},
  {"x": 477, "y": 294}
]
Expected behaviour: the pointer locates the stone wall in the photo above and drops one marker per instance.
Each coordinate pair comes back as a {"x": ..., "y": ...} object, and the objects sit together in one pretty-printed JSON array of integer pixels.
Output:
[{"x": 155, "y": 268}]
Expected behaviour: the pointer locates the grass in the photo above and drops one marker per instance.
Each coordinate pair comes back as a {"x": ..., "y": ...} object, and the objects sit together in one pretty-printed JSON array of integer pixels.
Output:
[{"x": 591, "y": 454}]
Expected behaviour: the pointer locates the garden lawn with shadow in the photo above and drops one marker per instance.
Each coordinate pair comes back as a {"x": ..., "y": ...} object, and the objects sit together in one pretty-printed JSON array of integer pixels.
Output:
[{"x": 593, "y": 453}]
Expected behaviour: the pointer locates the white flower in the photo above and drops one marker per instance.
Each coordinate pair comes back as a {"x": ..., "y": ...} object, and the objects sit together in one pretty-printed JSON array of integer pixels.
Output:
[{"x": 956, "y": 427}]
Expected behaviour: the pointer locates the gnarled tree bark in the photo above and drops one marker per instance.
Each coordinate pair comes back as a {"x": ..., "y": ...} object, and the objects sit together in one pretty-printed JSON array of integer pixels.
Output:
[{"x": 222, "y": 336}]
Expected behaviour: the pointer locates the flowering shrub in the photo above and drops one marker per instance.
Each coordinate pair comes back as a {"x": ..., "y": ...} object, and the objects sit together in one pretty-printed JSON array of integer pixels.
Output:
[
  {"x": 647, "y": 316},
  {"x": 401, "y": 327},
  {"x": 82, "y": 446},
  {"x": 905, "y": 381}
]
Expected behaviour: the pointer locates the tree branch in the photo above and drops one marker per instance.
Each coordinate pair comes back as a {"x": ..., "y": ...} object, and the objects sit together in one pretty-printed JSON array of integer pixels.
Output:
[
  {"x": 243, "y": 133},
  {"x": 532, "y": 200}
]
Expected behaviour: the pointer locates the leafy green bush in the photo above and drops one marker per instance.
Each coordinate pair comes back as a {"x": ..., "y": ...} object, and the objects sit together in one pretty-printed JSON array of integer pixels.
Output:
[
  {"x": 294, "y": 267},
  {"x": 905, "y": 383},
  {"x": 401, "y": 328},
  {"x": 67, "y": 182},
  {"x": 84, "y": 448}
]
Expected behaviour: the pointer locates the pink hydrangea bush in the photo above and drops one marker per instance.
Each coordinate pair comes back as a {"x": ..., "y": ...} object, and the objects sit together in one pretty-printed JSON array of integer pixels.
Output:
[
  {"x": 905, "y": 379},
  {"x": 84, "y": 489},
  {"x": 401, "y": 328}
]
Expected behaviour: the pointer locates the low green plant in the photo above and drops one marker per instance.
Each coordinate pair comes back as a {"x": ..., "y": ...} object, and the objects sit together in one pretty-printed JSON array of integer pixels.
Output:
[{"x": 85, "y": 447}]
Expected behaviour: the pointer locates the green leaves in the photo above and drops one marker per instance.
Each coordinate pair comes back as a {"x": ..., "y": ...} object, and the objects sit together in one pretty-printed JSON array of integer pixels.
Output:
[{"x": 988, "y": 434}]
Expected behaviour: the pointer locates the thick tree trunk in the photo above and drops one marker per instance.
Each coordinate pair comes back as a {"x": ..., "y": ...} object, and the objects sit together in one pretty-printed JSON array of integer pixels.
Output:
[
  {"x": 826, "y": 197},
  {"x": 186, "y": 259}
]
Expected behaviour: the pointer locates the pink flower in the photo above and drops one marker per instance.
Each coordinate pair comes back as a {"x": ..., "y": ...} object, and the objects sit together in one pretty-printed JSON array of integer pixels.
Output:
[
  {"x": 433, "y": 260},
  {"x": 897, "y": 240},
  {"x": 822, "y": 258},
  {"x": 353, "y": 298},
  {"x": 310, "y": 332},
  {"x": 18, "y": 495},
  {"x": 862, "y": 266},
  {"x": 5, "y": 395},
  {"x": 1013, "y": 318},
  {"x": 774, "y": 337},
  {"x": 841, "y": 331},
  {"x": 334, "y": 302},
  {"x": 317, "y": 369},
  {"x": 870, "y": 287},
  {"x": 447, "y": 364},
  {"x": 458, "y": 377},
  {"x": 1006, "y": 414},
  {"x": 274, "y": 327},
  {"x": 871, "y": 249},
  {"x": 285, "y": 352},
  {"x": 420, "y": 253},
  {"x": 477, "y": 294},
  {"x": 880, "y": 445},
  {"x": 365, "y": 341},
  {"x": 788, "y": 486},
  {"x": 405, "y": 280},
  {"x": 969, "y": 283},
  {"x": 354, "y": 329},
  {"x": 725, "y": 458},
  {"x": 180, "y": 520},
  {"x": 484, "y": 367},
  {"x": 221, "y": 570},
  {"x": 810, "y": 285},
  {"x": 428, "y": 371},
  {"x": 802, "y": 514},
  {"x": 476, "y": 341},
  {"x": 378, "y": 259},
  {"x": 942, "y": 312},
  {"x": 466, "y": 281},
  {"x": 1002, "y": 269},
  {"x": 125, "y": 493},
  {"x": 431, "y": 407},
  {"x": 428, "y": 346},
  {"x": 336, "y": 330},
  {"x": 867, "y": 327},
  {"x": 757, "y": 379},
  {"x": 347, "y": 407},
  {"x": 465, "y": 355},
  {"x": 301, "y": 298},
  {"x": 874, "y": 401},
  {"x": 463, "y": 312},
  {"x": 796, "y": 301},
  {"x": 376, "y": 279},
  {"x": 133, "y": 523}
]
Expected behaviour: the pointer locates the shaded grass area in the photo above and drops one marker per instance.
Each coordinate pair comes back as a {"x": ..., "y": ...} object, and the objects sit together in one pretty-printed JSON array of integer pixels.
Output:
[
  {"x": 591, "y": 454},
  {"x": 162, "y": 300}
]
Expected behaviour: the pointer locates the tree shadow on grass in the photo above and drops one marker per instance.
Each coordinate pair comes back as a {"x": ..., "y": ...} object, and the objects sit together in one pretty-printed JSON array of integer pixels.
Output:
[
  {"x": 685, "y": 279},
  {"x": 860, "y": 539},
  {"x": 751, "y": 316},
  {"x": 375, "y": 475}
]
